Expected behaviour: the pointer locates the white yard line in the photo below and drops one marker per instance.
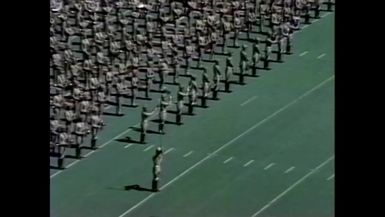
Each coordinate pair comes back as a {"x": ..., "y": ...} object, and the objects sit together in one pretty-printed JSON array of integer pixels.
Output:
[
  {"x": 229, "y": 159},
  {"x": 314, "y": 21},
  {"x": 128, "y": 145},
  {"x": 169, "y": 150},
  {"x": 89, "y": 153},
  {"x": 229, "y": 143},
  {"x": 249, "y": 100},
  {"x": 292, "y": 186},
  {"x": 290, "y": 169},
  {"x": 268, "y": 166},
  {"x": 320, "y": 56},
  {"x": 148, "y": 148},
  {"x": 331, "y": 177},
  {"x": 187, "y": 154},
  {"x": 304, "y": 53},
  {"x": 248, "y": 163},
  {"x": 326, "y": 14}
]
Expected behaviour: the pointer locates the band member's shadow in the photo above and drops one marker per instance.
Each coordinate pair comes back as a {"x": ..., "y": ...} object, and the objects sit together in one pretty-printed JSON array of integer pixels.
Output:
[
  {"x": 111, "y": 103},
  {"x": 166, "y": 122},
  {"x": 170, "y": 83},
  {"x": 143, "y": 98},
  {"x": 55, "y": 167},
  {"x": 130, "y": 106},
  {"x": 137, "y": 129},
  {"x": 136, "y": 187},
  {"x": 112, "y": 114},
  {"x": 156, "y": 91},
  {"x": 128, "y": 139},
  {"x": 70, "y": 156},
  {"x": 276, "y": 61}
]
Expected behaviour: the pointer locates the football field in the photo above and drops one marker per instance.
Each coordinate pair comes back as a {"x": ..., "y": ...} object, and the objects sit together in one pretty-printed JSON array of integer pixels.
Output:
[{"x": 265, "y": 149}]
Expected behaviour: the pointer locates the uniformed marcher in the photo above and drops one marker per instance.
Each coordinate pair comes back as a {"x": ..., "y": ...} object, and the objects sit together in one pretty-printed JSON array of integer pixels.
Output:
[
  {"x": 163, "y": 72},
  {"x": 317, "y": 7},
  {"x": 174, "y": 62},
  {"x": 192, "y": 89},
  {"x": 149, "y": 80},
  {"x": 58, "y": 102},
  {"x": 205, "y": 88},
  {"x": 280, "y": 40},
  {"x": 180, "y": 104},
  {"x": 80, "y": 132},
  {"x": 272, "y": 39},
  {"x": 226, "y": 25},
  {"x": 216, "y": 80},
  {"x": 55, "y": 127},
  {"x": 144, "y": 123},
  {"x": 306, "y": 9},
  {"x": 189, "y": 50},
  {"x": 228, "y": 72},
  {"x": 243, "y": 64},
  {"x": 101, "y": 100},
  {"x": 164, "y": 103},
  {"x": 202, "y": 43},
  {"x": 287, "y": 34},
  {"x": 96, "y": 123},
  {"x": 84, "y": 109},
  {"x": 329, "y": 4},
  {"x": 120, "y": 89},
  {"x": 255, "y": 59},
  {"x": 156, "y": 169},
  {"x": 69, "y": 118},
  {"x": 134, "y": 80},
  {"x": 295, "y": 22},
  {"x": 62, "y": 145},
  {"x": 237, "y": 27}
]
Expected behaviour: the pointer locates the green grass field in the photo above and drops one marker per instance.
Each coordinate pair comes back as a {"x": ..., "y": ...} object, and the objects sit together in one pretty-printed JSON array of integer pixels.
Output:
[{"x": 266, "y": 149}]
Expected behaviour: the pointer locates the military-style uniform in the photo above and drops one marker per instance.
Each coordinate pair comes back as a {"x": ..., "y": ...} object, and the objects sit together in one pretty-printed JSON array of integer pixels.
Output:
[
  {"x": 180, "y": 104},
  {"x": 95, "y": 126},
  {"x": 243, "y": 64},
  {"x": 63, "y": 143},
  {"x": 120, "y": 91},
  {"x": 237, "y": 27},
  {"x": 80, "y": 132},
  {"x": 255, "y": 59},
  {"x": 144, "y": 124},
  {"x": 287, "y": 33},
  {"x": 174, "y": 63},
  {"x": 54, "y": 129},
  {"x": 216, "y": 80},
  {"x": 228, "y": 73},
  {"x": 188, "y": 53},
  {"x": 226, "y": 30},
  {"x": 58, "y": 102},
  {"x": 156, "y": 169},
  {"x": 205, "y": 88},
  {"x": 164, "y": 103},
  {"x": 84, "y": 110},
  {"x": 134, "y": 87},
  {"x": 69, "y": 117},
  {"x": 192, "y": 89},
  {"x": 270, "y": 41},
  {"x": 101, "y": 100},
  {"x": 149, "y": 81},
  {"x": 163, "y": 72}
]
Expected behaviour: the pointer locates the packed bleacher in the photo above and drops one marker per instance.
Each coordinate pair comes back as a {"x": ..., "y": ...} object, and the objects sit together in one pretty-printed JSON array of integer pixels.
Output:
[{"x": 103, "y": 51}]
